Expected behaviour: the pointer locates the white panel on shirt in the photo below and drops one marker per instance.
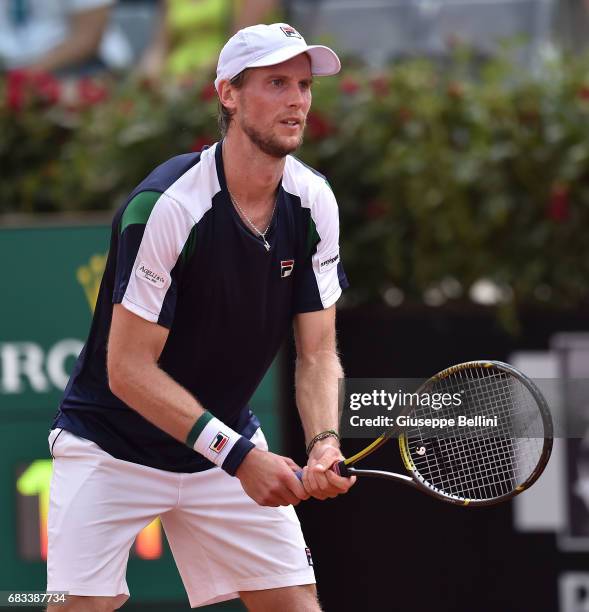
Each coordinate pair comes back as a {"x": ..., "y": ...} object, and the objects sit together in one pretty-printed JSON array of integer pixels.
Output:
[
  {"x": 195, "y": 189},
  {"x": 164, "y": 237},
  {"x": 174, "y": 215},
  {"x": 316, "y": 195}
]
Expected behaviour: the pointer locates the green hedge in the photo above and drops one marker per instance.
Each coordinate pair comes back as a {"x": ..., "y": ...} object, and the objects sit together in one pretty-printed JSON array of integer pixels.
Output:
[{"x": 449, "y": 185}]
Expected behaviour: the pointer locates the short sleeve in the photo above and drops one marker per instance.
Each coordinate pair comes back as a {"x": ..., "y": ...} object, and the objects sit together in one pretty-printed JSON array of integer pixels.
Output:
[
  {"x": 154, "y": 230},
  {"x": 320, "y": 282}
]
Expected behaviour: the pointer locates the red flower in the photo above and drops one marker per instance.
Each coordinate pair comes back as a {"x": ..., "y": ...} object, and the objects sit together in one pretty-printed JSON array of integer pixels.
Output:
[
  {"x": 16, "y": 89},
  {"x": 208, "y": 92},
  {"x": 558, "y": 205},
  {"x": 199, "y": 143},
  {"x": 583, "y": 93},
  {"x": 380, "y": 86},
  {"x": 91, "y": 92},
  {"x": 46, "y": 86},
  {"x": 318, "y": 126},
  {"x": 349, "y": 86},
  {"x": 25, "y": 84}
]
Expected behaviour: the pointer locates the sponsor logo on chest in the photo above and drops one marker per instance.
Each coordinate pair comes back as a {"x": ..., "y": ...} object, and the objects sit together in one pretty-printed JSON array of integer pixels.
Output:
[{"x": 286, "y": 267}]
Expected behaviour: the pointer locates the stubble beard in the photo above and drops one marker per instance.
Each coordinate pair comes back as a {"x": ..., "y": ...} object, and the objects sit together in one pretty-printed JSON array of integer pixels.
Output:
[{"x": 269, "y": 145}]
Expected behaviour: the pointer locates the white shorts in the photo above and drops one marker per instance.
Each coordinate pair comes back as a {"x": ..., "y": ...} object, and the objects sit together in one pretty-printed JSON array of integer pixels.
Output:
[{"x": 222, "y": 541}]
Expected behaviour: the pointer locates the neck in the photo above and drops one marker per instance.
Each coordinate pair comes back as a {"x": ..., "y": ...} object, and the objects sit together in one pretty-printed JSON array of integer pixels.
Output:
[{"x": 252, "y": 176}]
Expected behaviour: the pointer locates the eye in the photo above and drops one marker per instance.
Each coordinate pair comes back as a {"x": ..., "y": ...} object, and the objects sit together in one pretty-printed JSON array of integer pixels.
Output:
[{"x": 277, "y": 82}]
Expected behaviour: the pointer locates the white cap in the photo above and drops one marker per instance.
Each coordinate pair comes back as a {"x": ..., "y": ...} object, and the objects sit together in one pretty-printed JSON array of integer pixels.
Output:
[{"x": 267, "y": 45}]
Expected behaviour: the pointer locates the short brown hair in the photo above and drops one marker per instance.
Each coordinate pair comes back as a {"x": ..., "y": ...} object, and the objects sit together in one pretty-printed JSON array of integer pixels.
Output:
[{"x": 224, "y": 115}]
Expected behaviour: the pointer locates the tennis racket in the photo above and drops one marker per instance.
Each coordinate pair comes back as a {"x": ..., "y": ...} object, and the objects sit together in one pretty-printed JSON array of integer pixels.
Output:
[{"x": 465, "y": 466}]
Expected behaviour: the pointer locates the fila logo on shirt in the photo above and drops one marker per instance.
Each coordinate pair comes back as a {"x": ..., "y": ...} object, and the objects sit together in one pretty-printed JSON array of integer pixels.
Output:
[
  {"x": 219, "y": 442},
  {"x": 286, "y": 267},
  {"x": 290, "y": 32},
  {"x": 309, "y": 558}
]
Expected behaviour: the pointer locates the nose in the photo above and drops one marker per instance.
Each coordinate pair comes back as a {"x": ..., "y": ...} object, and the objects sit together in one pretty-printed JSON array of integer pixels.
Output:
[{"x": 297, "y": 97}]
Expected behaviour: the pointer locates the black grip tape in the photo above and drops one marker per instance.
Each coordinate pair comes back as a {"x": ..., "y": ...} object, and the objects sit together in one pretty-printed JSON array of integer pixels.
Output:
[{"x": 341, "y": 469}]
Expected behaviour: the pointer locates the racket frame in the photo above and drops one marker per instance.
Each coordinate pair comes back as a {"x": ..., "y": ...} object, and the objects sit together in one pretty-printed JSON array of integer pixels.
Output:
[{"x": 345, "y": 467}]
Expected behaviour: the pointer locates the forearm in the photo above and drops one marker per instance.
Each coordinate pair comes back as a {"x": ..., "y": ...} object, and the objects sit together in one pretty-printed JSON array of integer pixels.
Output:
[
  {"x": 249, "y": 12},
  {"x": 82, "y": 43},
  {"x": 67, "y": 54},
  {"x": 157, "y": 397},
  {"x": 153, "y": 60},
  {"x": 317, "y": 380}
]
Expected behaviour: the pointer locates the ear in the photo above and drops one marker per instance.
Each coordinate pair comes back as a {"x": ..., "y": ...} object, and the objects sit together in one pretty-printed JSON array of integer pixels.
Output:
[{"x": 227, "y": 95}]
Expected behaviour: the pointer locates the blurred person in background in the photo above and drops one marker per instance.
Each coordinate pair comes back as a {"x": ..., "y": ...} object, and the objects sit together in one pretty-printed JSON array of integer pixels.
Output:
[
  {"x": 59, "y": 36},
  {"x": 190, "y": 33}
]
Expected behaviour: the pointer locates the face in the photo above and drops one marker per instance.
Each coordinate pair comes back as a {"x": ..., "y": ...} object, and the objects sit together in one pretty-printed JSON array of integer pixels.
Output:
[{"x": 272, "y": 106}]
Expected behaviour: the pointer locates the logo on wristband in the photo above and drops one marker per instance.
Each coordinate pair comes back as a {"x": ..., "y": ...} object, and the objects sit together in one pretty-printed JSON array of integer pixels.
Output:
[{"x": 219, "y": 442}]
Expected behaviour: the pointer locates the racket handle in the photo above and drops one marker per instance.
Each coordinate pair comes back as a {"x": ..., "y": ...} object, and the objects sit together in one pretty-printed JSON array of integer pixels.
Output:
[{"x": 339, "y": 468}]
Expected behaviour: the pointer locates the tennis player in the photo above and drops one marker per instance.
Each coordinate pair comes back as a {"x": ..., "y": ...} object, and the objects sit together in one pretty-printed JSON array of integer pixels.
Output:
[{"x": 212, "y": 258}]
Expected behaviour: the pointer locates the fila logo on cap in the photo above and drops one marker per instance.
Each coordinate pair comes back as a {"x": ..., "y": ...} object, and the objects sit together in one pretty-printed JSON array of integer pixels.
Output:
[
  {"x": 218, "y": 444},
  {"x": 286, "y": 267},
  {"x": 290, "y": 32}
]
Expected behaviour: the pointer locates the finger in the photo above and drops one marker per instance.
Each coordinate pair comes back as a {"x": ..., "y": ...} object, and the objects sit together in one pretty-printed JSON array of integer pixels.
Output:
[
  {"x": 321, "y": 478},
  {"x": 338, "y": 483},
  {"x": 295, "y": 467},
  {"x": 305, "y": 480},
  {"x": 313, "y": 487},
  {"x": 296, "y": 487}
]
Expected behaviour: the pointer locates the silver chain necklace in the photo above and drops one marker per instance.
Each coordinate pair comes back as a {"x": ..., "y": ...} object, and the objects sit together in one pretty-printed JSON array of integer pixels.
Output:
[{"x": 261, "y": 234}]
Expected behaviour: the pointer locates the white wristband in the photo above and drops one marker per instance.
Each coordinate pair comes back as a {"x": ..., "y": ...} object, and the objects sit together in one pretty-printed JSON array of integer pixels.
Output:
[{"x": 214, "y": 439}]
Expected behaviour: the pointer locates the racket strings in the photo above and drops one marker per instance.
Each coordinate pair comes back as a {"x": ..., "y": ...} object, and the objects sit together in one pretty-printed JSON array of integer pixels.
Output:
[{"x": 475, "y": 463}]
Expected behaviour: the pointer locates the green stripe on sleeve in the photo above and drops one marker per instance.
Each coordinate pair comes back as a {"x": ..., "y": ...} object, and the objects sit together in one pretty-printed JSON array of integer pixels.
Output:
[
  {"x": 189, "y": 246},
  {"x": 312, "y": 236},
  {"x": 139, "y": 209},
  {"x": 197, "y": 428}
]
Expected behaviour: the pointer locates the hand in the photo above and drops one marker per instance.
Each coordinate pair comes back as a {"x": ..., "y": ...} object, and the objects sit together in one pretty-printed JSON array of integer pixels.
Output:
[
  {"x": 319, "y": 479},
  {"x": 270, "y": 479}
]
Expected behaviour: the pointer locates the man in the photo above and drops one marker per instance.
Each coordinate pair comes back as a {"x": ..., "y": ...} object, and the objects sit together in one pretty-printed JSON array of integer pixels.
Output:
[{"x": 211, "y": 260}]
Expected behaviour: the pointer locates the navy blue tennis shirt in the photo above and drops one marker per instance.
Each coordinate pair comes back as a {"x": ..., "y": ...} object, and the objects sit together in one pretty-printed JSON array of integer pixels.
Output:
[{"x": 180, "y": 256}]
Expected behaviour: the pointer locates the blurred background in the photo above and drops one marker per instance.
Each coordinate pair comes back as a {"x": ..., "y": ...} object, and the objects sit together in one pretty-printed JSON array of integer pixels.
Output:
[{"x": 456, "y": 140}]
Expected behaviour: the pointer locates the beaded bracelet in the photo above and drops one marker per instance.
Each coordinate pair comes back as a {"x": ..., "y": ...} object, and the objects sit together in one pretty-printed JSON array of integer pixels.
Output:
[{"x": 330, "y": 433}]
